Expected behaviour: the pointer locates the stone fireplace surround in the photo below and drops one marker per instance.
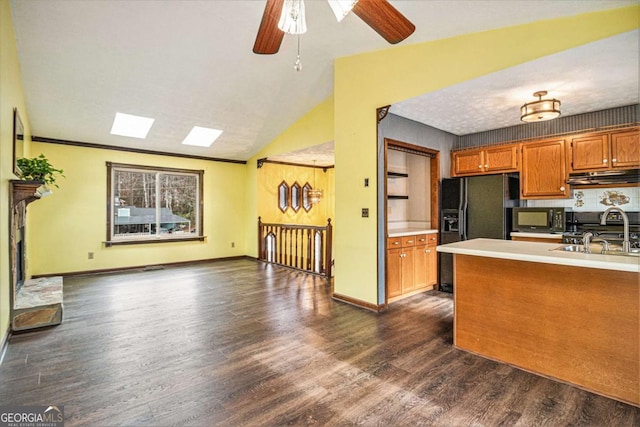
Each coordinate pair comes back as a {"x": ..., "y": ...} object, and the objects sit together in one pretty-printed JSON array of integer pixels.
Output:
[{"x": 37, "y": 302}]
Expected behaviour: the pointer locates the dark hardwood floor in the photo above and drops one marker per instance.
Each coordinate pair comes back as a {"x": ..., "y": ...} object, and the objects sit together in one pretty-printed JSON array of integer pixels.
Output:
[{"x": 242, "y": 343}]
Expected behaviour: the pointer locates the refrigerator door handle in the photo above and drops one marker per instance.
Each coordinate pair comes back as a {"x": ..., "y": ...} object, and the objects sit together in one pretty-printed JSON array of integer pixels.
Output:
[{"x": 462, "y": 214}]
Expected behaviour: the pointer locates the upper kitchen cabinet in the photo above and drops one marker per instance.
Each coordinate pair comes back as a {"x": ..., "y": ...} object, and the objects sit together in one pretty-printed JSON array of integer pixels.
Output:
[
  {"x": 625, "y": 149},
  {"x": 500, "y": 159},
  {"x": 605, "y": 151},
  {"x": 544, "y": 173}
]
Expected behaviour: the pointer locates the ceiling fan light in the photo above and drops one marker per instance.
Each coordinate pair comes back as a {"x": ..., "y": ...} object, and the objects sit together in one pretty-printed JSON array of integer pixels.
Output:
[
  {"x": 341, "y": 8},
  {"x": 292, "y": 20},
  {"x": 540, "y": 110}
]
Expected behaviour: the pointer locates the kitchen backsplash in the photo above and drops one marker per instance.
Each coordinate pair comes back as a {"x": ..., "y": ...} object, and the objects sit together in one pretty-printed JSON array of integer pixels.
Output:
[{"x": 595, "y": 199}]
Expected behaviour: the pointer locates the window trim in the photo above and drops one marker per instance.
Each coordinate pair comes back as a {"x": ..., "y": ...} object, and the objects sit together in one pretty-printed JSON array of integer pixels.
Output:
[{"x": 111, "y": 166}]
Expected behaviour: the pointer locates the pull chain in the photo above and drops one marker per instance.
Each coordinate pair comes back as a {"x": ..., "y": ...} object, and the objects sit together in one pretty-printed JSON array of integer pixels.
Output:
[{"x": 298, "y": 64}]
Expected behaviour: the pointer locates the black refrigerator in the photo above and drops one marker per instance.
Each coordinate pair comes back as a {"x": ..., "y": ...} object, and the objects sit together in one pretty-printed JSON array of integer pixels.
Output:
[{"x": 474, "y": 207}]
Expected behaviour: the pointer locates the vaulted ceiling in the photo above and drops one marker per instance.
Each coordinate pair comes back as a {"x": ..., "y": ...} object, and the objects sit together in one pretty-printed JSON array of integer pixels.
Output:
[{"x": 190, "y": 63}]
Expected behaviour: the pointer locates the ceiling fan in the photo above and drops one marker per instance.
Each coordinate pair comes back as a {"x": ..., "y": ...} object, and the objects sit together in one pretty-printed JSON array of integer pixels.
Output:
[{"x": 385, "y": 19}]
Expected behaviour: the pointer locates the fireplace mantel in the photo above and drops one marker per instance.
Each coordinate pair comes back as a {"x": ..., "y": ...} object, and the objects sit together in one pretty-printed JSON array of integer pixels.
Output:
[{"x": 25, "y": 190}]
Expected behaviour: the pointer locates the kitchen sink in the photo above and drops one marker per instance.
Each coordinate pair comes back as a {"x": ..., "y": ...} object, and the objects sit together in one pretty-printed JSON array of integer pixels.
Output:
[
  {"x": 597, "y": 250},
  {"x": 634, "y": 252},
  {"x": 569, "y": 248}
]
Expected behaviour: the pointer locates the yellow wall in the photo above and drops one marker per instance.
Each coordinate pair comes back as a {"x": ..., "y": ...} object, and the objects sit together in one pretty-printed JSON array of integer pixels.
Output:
[
  {"x": 270, "y": 176},
  {"x": 64, "y": 227},
  {"x": 314, "y": 128},
  {"x": 11, "y": 96},
  {"x": 365, "y": 82}
]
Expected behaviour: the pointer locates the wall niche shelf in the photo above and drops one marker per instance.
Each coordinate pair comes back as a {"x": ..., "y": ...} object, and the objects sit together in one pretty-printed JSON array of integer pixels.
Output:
[
  {"x": 397, "y": 175},
  {"x": 397, "y": 197}
]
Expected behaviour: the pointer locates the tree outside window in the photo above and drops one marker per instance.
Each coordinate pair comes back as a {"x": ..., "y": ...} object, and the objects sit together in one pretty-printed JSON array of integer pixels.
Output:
[{"x": 153, "y": 204}]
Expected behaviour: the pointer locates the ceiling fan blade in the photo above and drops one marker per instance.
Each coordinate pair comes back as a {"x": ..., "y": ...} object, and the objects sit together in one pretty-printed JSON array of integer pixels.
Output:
[
  {"x": 269, "y": 35},
  {"x": 385, "y": 19}
]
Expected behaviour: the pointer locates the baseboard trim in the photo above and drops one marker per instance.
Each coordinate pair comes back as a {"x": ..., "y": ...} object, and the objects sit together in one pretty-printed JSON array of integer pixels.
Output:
[
  {"x": 359, "y": 303},
  {"x": 5, "y": 344},
  {"x": 141, "y": 267}
]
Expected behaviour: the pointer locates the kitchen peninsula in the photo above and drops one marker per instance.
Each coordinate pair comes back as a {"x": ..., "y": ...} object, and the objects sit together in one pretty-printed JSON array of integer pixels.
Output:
[{"x": 564, "y": 315}]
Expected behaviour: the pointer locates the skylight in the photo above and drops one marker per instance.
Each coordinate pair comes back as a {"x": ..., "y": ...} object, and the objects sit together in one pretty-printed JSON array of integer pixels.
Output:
[
  {"x": 133, "y": 126},
  {"x": 202, "y": 137}
]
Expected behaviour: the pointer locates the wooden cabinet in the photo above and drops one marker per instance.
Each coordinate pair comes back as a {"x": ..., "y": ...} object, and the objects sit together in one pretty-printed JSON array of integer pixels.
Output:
[
  {"x": 467, "y": 162},
  {"x": 544, "y": 173},
  {"x": 503, "y": 158},
  {"x": 426, "y": 262},
  {"x": 605, "y": 151},
  {"x": 411, "y": 265},
  {"x": 589, "y": 152},
  {"x": 625, "y": 149}
]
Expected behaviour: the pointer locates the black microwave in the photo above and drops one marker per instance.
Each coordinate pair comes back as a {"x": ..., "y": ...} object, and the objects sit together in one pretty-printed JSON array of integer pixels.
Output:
[{"x": 539, "y": 220}]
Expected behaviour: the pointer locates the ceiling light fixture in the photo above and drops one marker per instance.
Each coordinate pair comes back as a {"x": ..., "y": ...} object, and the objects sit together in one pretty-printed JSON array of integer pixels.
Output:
[
  {"x": 315, "y": 194},
  {"x": 133, "y": 126},
  {"x": 202, "y": 137},
  {"x": 540, "y": 110},
  {"x": 341, "y": 8},
  {"x": 292, "y": 20}
]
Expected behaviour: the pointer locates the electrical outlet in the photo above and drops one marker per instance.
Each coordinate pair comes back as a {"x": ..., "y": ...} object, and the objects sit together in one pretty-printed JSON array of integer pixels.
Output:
[
  {"x": 233, "y": 244},
  {"x": 90, "y": 255},
  {"x": 366, "y": 182},
  {"x": 365, "y": 212}
]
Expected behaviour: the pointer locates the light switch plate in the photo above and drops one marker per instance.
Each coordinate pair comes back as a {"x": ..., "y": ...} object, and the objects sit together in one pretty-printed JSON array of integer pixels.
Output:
[{"x": 365, "y": 212}]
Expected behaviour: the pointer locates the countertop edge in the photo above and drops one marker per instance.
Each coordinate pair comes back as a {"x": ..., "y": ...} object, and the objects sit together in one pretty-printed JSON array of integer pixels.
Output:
[
  {"x": 411, "y": 232},
  {"x": 537, "y": 235},
  {"x": 541, "y": 253}
]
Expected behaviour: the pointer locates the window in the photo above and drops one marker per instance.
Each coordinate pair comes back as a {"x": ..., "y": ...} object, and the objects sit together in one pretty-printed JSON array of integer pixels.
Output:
[
  {"x": 306, "y": 201},
  {"x": 146, "y": 204},
  {"x": 296, "y": 195},
  {"x": 283, "y": 196}
]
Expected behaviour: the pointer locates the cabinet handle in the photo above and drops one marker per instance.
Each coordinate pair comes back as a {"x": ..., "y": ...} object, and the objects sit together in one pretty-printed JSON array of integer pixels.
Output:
[
  {"x": 422, "y": 240},
  {"x": 409, "y": 241},
  {"x": 604, "y": 160},
  {"x": 486, "y": 166},
  {"x": 479, "y": 166},
  {"x": 428, "y": 251},
  {"x": 396, "y": 243},
  {"x": 561, "y": 188},
  {"x": 614, "y": 160}
]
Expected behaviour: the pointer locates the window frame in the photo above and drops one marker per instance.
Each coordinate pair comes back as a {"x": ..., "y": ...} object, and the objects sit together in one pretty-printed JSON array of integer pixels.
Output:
[{"x": 112, "y": 167}]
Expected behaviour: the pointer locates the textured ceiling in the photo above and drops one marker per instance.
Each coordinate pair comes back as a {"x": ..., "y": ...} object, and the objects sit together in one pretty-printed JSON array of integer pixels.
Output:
[
  {"x": 596, "y": 76},
  {"x": 189, "y": 63}
]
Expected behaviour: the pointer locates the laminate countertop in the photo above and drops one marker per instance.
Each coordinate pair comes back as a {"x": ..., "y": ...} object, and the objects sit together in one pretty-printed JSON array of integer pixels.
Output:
[
  {"x": 540, "y": 252},
  {"x": 401, "y": 232}
]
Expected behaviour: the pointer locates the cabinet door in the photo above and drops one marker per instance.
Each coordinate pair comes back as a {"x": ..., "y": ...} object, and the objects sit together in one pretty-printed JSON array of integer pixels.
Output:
[
  {"x": 467, "y": 162},
  {"x": 420, "y": 264},
  {"x": 625, "y": 149},
  {"x": 590, "y": 153},
  {"x": 501, "y": 159},
  {"x": 394, "y": 272},
  {"x": 432, "y": 266},
  {"x": 544, "y": 173},
  {"x": 406, "y": 267}
]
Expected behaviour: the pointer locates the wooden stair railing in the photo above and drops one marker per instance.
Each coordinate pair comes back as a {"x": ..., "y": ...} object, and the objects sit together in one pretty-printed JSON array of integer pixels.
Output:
[{"x": 303, "y": 247}]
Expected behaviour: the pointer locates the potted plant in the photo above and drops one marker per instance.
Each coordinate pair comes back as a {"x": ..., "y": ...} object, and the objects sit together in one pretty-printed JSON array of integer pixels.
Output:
[{"x": 39, "y": 169}]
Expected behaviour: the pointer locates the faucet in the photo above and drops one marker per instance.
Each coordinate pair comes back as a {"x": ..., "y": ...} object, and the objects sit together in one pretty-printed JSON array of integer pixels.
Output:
[
  {"x": 605, "y": 244},
  {"x": 586, "y": 238},
  {"x": 626, "y": 245}
]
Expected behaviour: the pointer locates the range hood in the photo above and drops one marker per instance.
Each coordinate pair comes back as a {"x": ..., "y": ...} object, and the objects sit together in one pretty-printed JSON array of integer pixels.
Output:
[{"x": 631, "y": 176}]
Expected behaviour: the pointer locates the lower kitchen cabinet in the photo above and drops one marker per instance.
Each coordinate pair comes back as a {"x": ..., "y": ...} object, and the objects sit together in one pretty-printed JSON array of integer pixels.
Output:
[{"x": 411, "y": 265}]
